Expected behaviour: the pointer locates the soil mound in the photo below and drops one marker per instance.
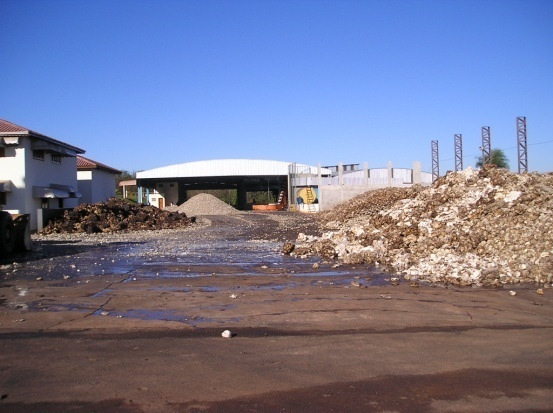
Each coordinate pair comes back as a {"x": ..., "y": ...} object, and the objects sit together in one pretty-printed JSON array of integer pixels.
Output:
[
  {"x": 115, "y": 215},
  {"x": 205, "y": 204},
  {"x": 487, "y": 227}
]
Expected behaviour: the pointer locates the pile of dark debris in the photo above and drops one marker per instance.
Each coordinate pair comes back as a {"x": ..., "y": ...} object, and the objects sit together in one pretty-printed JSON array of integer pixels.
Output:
[{"x": 115, "y": 215}]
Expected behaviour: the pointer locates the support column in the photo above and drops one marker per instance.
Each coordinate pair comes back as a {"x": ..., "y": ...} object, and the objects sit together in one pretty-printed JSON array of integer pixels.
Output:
[
  {"x": 182, "y": 195},
  {"x": 417, "y": 173},
  {"x": 340, "y": 173},
  {"x": 458, "y": 141},
  {"x": 390, "y": 172},
  {"x": 435, "y": 161},
  {"x": 319, "y": 177},
  {"x": 366, "y": 173},
  {"x": 241, "y": 196},
  {"x": 522, "y": 145}
]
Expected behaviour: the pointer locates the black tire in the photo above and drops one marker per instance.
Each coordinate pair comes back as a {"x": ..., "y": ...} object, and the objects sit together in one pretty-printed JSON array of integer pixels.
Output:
[
  {"x": 22, "y": 233},
  {"x": 7, "y": 234}
]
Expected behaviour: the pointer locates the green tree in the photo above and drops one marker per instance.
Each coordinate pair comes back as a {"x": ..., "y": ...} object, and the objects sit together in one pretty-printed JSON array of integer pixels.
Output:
[
  {"x": 125, "y": 176},
  {"x": 498, "y": 158}
]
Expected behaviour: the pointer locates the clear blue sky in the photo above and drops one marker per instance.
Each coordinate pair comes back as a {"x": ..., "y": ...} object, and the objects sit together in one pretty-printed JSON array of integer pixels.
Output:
[{"x": 141, "y": 84}]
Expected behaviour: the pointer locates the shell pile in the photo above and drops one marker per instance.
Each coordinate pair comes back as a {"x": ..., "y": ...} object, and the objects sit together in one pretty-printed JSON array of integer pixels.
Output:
[{"x": 482, "y": 227}]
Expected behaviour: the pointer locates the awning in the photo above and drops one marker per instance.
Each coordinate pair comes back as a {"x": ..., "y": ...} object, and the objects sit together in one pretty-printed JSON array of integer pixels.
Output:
[
  {"x": 38, "y": 144},
  {"x": 131, "y": 182},
  {"x": 9, "y": 140},
  {"x": 73, "y": 193},
  {"x": 45, "y": 192},
  {"x": 5, "y": 186}
]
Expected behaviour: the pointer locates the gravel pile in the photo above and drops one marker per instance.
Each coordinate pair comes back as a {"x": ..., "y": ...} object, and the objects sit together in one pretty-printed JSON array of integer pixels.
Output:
[
  {"x": 114, "y": 215},
  {"x": 487, "y": 227},
  {"x": 204, "y": 204}
]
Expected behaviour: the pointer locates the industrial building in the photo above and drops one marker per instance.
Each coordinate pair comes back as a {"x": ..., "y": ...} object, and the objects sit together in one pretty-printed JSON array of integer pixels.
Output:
[{"x": 306, "y": 188}]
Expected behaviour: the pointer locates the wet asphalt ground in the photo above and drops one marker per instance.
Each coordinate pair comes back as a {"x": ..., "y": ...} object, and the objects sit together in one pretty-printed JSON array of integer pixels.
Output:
[{"x": 133, "y": 323}]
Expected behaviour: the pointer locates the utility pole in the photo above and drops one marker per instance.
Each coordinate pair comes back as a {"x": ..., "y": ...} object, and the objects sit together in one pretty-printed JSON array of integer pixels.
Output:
[
  {"x": 458, "y": 138},
  {"x": 486, "y": 146},
  {"x": 522, "y": 145},
  {"x": 435, "y": 161}
]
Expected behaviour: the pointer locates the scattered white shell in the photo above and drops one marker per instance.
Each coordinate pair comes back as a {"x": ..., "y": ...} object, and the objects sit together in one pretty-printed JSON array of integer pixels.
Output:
[
  {"x": 512, "y": 292},
  {"x": 226, "y": 334},
  {"x": 233, "y": 296},
  {"x": 105, "y": 313}
]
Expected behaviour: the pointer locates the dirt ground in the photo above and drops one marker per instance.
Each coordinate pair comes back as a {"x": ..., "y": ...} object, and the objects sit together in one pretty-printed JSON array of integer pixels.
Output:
[{"x": 133, "y": 323}]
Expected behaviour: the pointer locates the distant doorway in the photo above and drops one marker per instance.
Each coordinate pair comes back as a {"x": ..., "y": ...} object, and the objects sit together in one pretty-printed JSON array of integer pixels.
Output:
[{"x": 160, "y": 203}]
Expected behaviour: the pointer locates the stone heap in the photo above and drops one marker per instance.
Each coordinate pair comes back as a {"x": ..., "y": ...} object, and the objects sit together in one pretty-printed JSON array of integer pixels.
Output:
[
  {"x": 115, "y": 215},
  {"x": 204, "y": 204},
  {"x": 487, "y": 227}
]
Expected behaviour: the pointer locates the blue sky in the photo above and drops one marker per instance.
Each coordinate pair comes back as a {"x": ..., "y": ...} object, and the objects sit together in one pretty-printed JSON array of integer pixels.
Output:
[{"x": 141, "y": 84}]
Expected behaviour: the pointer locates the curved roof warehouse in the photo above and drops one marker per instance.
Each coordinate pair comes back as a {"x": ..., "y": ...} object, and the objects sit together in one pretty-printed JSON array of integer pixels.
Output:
[
  {"x": 325, "y": 186},
  {"x": 244, "y": 175}
]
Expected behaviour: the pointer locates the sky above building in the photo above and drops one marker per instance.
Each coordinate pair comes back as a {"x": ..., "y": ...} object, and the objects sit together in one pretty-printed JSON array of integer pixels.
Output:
[{"x": 144, "y": 83}]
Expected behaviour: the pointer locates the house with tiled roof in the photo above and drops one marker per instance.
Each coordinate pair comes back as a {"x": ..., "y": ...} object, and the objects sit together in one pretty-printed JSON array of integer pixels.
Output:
[
  {"x": 37, "y": 173},
  {"x": 96, "y": 181}
]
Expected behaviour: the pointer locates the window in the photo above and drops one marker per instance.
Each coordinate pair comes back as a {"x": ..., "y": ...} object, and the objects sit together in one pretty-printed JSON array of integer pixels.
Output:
[
  {"x": 3, "y": 198},
  {"x": 44, "y": 203},
  {"x": 171, "y": 185},
  {"x": 60, "y": 202},
  {"x": 2, "y": 152},
  {"x": 38, "y": 154},
  {"x": 56, "y": 158},
  {"x": 160, "y": 185}
]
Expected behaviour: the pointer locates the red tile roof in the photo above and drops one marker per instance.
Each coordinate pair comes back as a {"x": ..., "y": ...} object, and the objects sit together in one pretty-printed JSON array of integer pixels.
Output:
[
  {"x": 84, "y": 164},
  {"x": 7, "y": 128}
]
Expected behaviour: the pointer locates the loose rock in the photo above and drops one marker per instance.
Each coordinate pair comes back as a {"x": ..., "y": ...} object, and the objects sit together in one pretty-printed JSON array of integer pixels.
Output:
[
  {"x": 486, "y": 226},
  {"x": 115, "y": 215}
]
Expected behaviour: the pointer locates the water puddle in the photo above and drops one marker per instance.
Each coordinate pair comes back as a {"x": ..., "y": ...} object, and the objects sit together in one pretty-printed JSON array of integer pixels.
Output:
[
  {"x": 208, "y": 289},
  {"x": 166, "y": 315},
  {"x": 56, "y": 307}
]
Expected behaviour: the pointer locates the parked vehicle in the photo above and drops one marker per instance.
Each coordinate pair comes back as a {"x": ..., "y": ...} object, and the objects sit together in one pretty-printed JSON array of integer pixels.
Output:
[{"x": 15, "y": 233}]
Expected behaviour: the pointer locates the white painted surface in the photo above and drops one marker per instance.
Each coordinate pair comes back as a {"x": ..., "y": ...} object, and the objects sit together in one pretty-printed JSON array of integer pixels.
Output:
[
  {"x": 224, "y": 167},
  {"x": 24, "y": 172}
]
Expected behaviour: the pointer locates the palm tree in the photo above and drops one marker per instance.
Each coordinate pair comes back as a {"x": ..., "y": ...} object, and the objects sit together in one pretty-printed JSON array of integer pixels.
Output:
[{"x": 497, "y": 158}]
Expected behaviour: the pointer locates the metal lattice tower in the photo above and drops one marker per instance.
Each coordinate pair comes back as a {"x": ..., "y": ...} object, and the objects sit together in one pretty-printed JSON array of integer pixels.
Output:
[
  {"x": 458, "y": 152},
  {"x": 486, "y": 146},
  {"x": 522, "y": 145},
  {"x": 435, "y": 161}
]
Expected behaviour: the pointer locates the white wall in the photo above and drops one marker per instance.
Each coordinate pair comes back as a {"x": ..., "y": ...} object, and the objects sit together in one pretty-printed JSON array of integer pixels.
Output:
[
  {"x": 26, "y": 172},
  {"x": 169, "y": 191},
  {"x": 84, "y": 179},
  {"x": 96, "y": 185},
  {"x": 12, "y": 167},
  {"x": 103, "y": 185}
]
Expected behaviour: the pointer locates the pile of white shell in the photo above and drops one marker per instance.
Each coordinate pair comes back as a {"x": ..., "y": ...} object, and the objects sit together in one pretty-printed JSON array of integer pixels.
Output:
[{"x": 471, "y": 227}]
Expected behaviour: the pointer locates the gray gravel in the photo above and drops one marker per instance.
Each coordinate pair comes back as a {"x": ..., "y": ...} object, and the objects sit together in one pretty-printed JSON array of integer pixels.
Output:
[{"x": 204, "y": 204}]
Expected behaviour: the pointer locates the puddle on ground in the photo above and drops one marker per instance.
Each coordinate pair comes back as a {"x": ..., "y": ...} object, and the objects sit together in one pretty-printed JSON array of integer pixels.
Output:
[
  {"x": 208, "y": 289},
  {"x": 165, "y": 315},
  {"x": 56, "y": 307}
]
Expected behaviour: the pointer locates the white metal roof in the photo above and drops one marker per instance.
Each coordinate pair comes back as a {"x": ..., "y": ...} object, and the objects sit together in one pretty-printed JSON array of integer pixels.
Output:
[{"x": 226, "y": 167}]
